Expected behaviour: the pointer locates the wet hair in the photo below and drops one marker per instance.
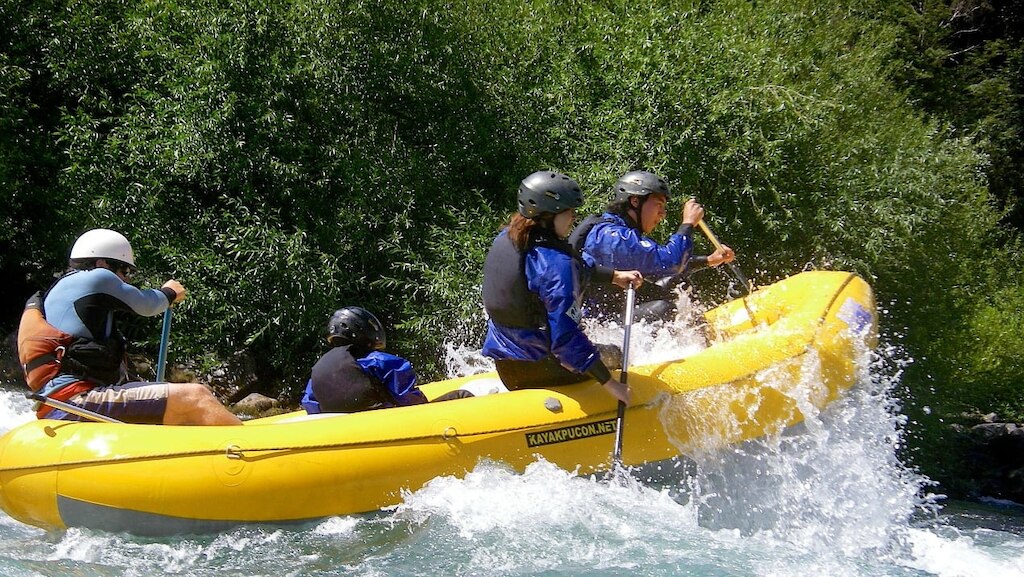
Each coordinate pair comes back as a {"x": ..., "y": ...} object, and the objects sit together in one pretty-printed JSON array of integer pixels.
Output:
[
  {"x": 519, "y": 228},
  {"x": 619, "y": 207},
  {"x": 82, "y": 263},
  {"x": 622, "y": 207}
]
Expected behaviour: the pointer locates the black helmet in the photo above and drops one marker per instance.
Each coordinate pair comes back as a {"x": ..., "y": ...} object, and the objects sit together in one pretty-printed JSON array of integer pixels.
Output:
[
  {"x": 640, "y": 183},
  {"x": 548, "y": 192},
  {"x": 355, "y": 326}
]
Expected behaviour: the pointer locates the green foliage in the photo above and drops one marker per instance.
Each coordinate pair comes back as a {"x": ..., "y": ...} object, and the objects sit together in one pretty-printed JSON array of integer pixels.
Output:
[
  {"x": 964, "y": 61},
  {"x": 283, "y": 159},
  {"x": 986, "y": 366},
  {"x": 961, "y": 63},
  {"x": 268, "y": 155},
  {"x": 29, "y": 162},
  {"x": 441, "y": 272}
]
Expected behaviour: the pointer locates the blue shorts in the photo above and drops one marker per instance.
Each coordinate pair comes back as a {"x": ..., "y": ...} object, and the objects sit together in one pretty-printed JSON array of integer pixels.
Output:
[{"x": 142, "y": 403}]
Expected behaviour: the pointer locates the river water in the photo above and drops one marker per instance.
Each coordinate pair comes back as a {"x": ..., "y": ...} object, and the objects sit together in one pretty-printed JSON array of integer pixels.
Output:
[{"x": 828, "y": 497}]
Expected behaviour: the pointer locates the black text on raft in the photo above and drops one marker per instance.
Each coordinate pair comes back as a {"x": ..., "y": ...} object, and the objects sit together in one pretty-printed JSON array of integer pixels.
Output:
[{"x": 570, "y": 433}]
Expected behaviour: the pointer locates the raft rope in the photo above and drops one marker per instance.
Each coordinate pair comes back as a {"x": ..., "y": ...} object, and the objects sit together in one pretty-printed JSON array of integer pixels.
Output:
[{"x": 234, "y": 451}]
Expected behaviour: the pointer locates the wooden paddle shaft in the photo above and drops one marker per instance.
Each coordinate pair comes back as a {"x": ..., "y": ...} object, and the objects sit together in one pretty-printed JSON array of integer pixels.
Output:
[
  {"x": 742, "y": 278},
  {"x": 711, "y": 236}
]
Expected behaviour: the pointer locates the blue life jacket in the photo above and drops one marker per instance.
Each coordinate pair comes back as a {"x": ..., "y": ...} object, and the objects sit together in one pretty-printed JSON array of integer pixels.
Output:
[
  {"x": 613, "y": 242},
  {"x": 617, "y": 242}
]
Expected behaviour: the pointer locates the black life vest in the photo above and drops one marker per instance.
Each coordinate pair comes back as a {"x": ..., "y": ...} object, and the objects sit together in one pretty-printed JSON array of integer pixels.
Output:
[
  {"x": 341, "y": 386},
  {"x": 507, "y": 298},
  {"x": 578, "y": 238}
]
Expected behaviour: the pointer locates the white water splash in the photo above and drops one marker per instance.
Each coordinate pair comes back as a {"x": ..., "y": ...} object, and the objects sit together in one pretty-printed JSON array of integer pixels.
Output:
[
  {"x": 547, "y": 519},
  {"x": 253, "y": 549},
  {"x": 946, "y": 552},
  {"x": 539, "y": 499},
  {"x": 654, "y": 341},
  {"x": 337, "y": 526},
  {"x": 832, "y": 488},
  {"x": 461, "y": 361},
  {"x": 88, "y": 547},
  {"x": 15, "y": 410},
  {"x": 832, "y": 484}
]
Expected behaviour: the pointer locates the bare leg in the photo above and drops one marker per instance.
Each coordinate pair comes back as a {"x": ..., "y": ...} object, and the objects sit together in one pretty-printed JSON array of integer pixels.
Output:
[{"x": 194, "y": 404}]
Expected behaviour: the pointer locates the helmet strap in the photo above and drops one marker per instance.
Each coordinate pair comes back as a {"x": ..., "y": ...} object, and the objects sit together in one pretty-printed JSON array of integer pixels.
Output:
[
  {"x": 637, "y": 211},
  {"x": 545, "y": 220}
]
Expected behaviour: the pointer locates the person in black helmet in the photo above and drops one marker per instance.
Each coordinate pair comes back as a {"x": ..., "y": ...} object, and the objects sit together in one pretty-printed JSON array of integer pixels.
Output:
[
  {"x": 618, "y": 238},
  {"x": 532, "y": 293},
  {"x": 356, "y": 374}
]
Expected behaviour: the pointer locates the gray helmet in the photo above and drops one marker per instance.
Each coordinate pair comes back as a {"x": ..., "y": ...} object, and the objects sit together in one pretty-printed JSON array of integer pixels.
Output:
[
  {"x": 355, "y": 326},
  {"x": 548, "y": 192},
  {"x": 640, "y": 183}
]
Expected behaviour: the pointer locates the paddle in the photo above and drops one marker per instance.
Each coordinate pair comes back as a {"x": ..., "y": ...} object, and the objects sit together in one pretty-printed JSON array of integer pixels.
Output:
[
  {"x": 72, "y": 409},
  {"x": 740, "y": 277},
  {"x": 620, "y": 417},
  {"x": 165, "y": 336}
]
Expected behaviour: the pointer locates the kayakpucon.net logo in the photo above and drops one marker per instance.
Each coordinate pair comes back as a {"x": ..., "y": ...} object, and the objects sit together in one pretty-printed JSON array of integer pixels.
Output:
[{"x": 570, "y": 433}]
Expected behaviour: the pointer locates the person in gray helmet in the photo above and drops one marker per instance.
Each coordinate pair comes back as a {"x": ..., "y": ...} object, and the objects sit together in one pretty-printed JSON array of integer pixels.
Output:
[
  {"x": 357, "y": 375},
  {"x": 532, "y": 293},
  {"x": 618, "y": 238}
]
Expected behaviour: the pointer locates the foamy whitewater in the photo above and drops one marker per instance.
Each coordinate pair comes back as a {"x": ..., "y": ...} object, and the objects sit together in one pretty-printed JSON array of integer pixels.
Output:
[{"x": 828, "y": 497}]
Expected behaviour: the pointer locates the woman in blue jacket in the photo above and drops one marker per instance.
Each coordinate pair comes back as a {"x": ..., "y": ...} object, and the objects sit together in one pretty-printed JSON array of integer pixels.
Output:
[{"x": 532, "y": 293}]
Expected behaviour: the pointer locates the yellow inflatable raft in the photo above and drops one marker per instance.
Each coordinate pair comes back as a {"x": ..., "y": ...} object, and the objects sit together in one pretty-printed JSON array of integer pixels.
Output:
[{"x": 294, "y": 468}]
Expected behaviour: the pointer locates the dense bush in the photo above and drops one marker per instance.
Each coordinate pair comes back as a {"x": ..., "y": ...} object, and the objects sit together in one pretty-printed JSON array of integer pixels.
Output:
[{"x": 285, "y": 158}]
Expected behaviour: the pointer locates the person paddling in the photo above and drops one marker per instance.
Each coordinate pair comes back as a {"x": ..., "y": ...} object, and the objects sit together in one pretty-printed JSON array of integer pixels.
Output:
[
  {"x": 72, "y": 350},
  {"x": 618, "y": 238},
  {"x": 532, "y": 293}
]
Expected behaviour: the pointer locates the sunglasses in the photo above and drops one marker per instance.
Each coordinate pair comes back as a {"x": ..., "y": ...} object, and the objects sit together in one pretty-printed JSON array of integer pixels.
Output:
[{"x": 124, "y": 269}]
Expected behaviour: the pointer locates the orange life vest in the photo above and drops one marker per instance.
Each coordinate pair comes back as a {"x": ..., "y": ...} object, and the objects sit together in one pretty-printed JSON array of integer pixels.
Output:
[{"x": 41, "y": 350}]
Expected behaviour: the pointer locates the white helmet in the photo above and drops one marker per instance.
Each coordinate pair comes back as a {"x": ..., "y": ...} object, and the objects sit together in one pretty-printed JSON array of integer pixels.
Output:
[{"x": 103, "y": 243}]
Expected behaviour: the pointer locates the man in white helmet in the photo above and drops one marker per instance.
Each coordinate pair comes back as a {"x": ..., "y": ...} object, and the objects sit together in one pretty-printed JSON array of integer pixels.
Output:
[{"x": 91, "y": 370}]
